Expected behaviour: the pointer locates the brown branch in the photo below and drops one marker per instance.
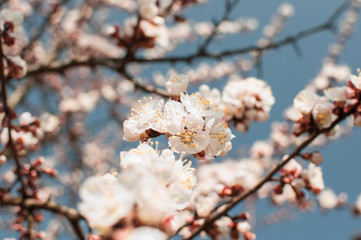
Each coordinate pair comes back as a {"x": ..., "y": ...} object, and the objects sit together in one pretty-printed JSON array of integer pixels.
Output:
[
  {"x": 8, "y": 113},
  {"x": 222, "y": 210},
  {"x": 71, "y": 214},
  {"x": 327, "y": 25},
  {"x": 229, "y": 6},
  {"x": 114, "y": 63}
]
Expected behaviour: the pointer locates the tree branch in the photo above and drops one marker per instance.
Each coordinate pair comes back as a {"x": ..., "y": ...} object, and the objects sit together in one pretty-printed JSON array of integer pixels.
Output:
[
  {"x": 71, "y": 214},
  {"x": 223, "y": 209}
]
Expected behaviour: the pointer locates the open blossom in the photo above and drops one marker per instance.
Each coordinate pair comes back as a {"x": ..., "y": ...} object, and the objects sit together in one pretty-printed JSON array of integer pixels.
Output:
[
  {"x": 220, "y": 135},
  {"x": 305, "y": 101},
  {"x": 147, "y": 8},
  {"x": 336, "y": 94},
  {"x": 104, "y": 201},
  {"x": 26, "y": 118},
  {"x": 327, "y": 199},
  {"x": 309, "y": 108},
  {"x": 177, "y": 84},
  {"x": 356, "y": 81},
  {"x": 247, "y": 100},
  {"x": 7, "y": 15},
  {"x": 213, "y": 96},
  {"x": 146, "y": 116},
  {"x": 174, "y": 176},
  {"x": 194, "y": 128},
  {"x": 314, "y": 177},
  {"x": 146, "y": 233},
  {"x": 17, "y": 67}
]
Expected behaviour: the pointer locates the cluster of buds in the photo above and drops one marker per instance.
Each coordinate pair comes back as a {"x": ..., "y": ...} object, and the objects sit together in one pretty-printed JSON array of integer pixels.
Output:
[
  {"x": 10, "y": 21},
  {"x": 293, "y": 179},
  {"x": 234, "y": 227},
  {"x": 312, "y": 112},
  {"x": 26, "y": 233},
  {"x": 25, "y": 136}
]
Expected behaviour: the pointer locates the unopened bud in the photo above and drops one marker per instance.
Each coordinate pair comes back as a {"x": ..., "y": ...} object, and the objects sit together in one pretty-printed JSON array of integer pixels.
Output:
[
  {"x": 250, "y": 236},
  {"x": 243, "y": 227},
  {"x": 316, "y": 158}
]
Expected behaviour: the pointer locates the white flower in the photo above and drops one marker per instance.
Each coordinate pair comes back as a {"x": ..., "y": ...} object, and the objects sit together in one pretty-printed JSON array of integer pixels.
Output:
[
  {"x": 147, "y": 9},
  {"x": 327, "y": 199},
  {"x": 26, "y": 118},
  {"x": 305, "y": 101},
  {"x": 18, "y": 67},
  {"x": 195, "y": 105},
  {"x": 187, "y": 124},
  {"x": 358, "y": 203},
  {"x": 69, "y": 105},
  {"x": 146, "y": 233},
  {"x": 287, "y": 195},
  {"x": 190, "y": 137},
  {"x": 143, "y": 155},
  {"x": 336, "y": 93},
  {"x": 356, "y": 81},
  {"x": 243, "y": 227},
  {"x": 104, "y": 201},
  {"x": 322, "y": 114},
  {"x": 49, "y": 123},
  {"x": 7, "y": 15},
  {"x": 109, "y": 93},
  {"x": 248, "y": 100},
  {"x": 154, "y": 201},
  {"x": 261, "y": 149},
  {"x": 173, "y": 176},
  {"x": 177, "y": 84},
  {"x": 293, "y": 166},
  {"x": 220, "y": 135},
  {"x": 286, "y": 10},
  {"x": 88, "y": 101},
  {"x": 315, "y": 177},
  {"x": 213, "y": 96},
  {"x": 156, "y": 29},
  {"x": 148, "y": 115},
  {"x": 223, "y": 225}
]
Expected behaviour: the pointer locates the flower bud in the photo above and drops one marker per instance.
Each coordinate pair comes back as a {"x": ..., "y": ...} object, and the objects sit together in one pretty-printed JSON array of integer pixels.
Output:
[{"x": 177, "y": 84}]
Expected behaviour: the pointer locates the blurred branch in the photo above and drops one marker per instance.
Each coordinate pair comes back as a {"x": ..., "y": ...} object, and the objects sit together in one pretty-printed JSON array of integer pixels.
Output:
[
  {"x": 229, "y": 6},
  {"x": 115, "y": 63},
  {"x": 223, "y": 209},
  {"x": 71, "y": 214},
  {"x": 6, "y": 122},
  {"x": 46, "y": 22}
]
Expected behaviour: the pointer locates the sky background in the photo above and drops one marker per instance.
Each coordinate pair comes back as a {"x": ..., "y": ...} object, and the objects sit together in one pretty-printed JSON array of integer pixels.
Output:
[{"x": 287, "y": 74}]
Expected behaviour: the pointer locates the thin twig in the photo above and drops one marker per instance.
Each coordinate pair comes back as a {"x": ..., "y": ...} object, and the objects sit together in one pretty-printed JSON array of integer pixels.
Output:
[{"x": 7, "y": 117}]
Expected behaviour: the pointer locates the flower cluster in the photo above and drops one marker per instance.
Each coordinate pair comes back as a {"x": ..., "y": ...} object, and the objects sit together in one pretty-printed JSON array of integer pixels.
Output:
[
  {"x": 246, "y": 100},
  {"x": 311, "y": 111},
  {"x": 294, "y": 179},
  {"x": 190, "y": 124},
  {"x": 152, "y": 187}
]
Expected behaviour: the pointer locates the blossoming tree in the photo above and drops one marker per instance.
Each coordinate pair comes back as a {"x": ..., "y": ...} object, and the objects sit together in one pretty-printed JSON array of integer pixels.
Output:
[{"x": 84, "y": 82}]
